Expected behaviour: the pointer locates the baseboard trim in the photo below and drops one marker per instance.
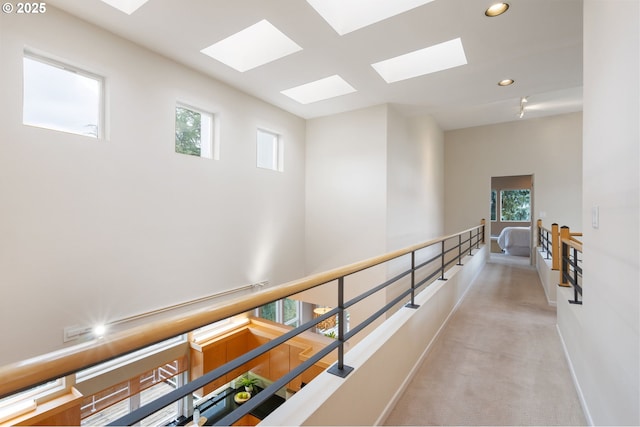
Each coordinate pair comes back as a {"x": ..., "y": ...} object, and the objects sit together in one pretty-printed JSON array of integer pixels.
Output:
[{"x": 574, "y": 378}]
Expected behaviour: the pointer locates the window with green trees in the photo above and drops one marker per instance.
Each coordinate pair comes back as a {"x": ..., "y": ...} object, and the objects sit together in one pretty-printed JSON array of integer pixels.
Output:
[
  {"x": 515, "y": 205},
  {"x": 286, "y": 311},
  {"x": 193, "y": 132}
]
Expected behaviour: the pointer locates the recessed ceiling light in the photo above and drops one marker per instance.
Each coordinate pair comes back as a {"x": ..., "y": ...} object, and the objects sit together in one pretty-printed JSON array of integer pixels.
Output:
[
  {"x": 506, "y": 82},
  {"x": 347, "y": 16},
  {"x": 256, "y": 45},
  {"x": 126, "y": 6},
  {"x": 424, "y": 61},
  {"x": 326, "y": 88},
  {"x": 496, "y": 9}
]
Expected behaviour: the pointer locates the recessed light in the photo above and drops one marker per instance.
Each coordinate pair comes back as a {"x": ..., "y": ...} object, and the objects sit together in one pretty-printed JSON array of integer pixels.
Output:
[
  {"x": 347, "y": 16},
  {"x": 423, "y": 61},
  {"x": 496, "y": 9},
  {"x": 326, "y": 88},
  {"x": 506, "y": 82},
  {"x": 252, "y": 47},
  {"x": 126, "y": 6}
]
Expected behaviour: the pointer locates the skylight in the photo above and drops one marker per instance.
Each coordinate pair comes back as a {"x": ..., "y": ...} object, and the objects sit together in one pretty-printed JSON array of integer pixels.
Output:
[
  {"x": 326, "y": 88},
  {"x": 423, "y": 61},
  {"x": 252, "y": 47},
  {"x": 347, "y": 16},
  {"x": 126, "y": 6}
]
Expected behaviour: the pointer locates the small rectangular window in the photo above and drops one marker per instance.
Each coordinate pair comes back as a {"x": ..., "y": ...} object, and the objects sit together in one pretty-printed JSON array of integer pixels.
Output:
[
  {"x": 195, "y": 133},
  {"x": 60, "y": 97},
  {"x": 515, "y": 205},
  {"x": 269, "y": 150}
]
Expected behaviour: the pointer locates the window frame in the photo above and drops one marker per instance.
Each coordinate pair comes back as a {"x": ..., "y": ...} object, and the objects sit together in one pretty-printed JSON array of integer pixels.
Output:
[
  {"x": 501, "y": 205},
  {"x": 493, "y": 206},
  {"x": 278, "y": 150},
  {"x": 65, "y": 66},
  {"x": 213, "y": 144}
]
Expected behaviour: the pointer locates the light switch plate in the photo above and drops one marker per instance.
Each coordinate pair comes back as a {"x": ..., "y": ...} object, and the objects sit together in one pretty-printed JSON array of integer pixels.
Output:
[{"x": 595, "y": 217}]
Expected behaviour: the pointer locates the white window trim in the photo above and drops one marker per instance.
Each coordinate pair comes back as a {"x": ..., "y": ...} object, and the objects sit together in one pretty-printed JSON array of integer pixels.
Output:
[
  {"x": 101, "y": 134},
  {"x": 278, "y": 156},
  {"x": 212, "y": 136}
]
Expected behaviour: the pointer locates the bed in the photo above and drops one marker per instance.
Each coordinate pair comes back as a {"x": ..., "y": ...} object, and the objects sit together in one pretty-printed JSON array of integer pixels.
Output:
[{"x": 515, "y": 240}]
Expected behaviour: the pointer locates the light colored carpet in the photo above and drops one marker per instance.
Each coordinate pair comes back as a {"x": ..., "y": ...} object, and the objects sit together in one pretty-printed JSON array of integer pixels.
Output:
[{"x": 499, "y": 361}]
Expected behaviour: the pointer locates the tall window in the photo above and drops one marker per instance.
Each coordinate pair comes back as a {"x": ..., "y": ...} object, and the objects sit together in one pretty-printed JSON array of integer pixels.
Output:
[
  {"x": 194, "y": 132},
  {"x": 61, "y": 97},
  {"x": 269, "y": 150},
  {"x": 515, "y": 205}
]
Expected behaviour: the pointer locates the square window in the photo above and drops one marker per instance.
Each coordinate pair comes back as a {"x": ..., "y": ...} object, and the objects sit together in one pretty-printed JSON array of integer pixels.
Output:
[
  {"x": 195, "y": 133},
  {"x": 515, "y": 205},
  {"x": 269, "y": 150},
  {"x": 61, "y": 97}
]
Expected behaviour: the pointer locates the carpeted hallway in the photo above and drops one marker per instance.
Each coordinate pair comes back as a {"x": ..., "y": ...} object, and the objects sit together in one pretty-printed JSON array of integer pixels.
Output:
[{"x": 499, "y": 360}]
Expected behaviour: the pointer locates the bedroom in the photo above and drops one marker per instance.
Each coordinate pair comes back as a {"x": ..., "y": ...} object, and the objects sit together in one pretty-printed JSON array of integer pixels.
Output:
[{"x": 511, "y": 215}]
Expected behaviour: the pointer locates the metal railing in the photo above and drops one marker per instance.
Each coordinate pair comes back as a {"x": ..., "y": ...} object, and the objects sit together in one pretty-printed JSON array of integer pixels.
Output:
[
  {"x": 571, "y": 271},
  {"x": 450, "y": 249},
  {"x": 549, "y": 241}
]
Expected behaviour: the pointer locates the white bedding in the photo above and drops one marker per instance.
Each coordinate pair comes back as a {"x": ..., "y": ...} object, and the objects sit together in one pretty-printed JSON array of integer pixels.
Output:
[{"x": 515, "y": 240}]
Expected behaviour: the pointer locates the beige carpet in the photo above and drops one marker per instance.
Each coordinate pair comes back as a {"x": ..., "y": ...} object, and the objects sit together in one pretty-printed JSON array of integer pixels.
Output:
[{"x": 499, "y": 360}]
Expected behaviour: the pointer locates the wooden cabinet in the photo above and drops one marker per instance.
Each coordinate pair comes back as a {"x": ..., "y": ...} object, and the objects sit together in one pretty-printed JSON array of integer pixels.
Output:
[
  {"x": 61, "y": 411},
  {"x": 247, "y": 420},
  {"x": 272, "y": 365}
]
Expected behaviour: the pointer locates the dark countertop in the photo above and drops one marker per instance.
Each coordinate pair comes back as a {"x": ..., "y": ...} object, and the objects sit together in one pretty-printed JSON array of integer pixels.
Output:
[{"x": 223, "y": 404}]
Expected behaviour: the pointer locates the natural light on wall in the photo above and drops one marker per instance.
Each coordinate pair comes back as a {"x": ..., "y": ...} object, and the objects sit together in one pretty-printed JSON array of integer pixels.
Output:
[
  {"x": 326, "y": 88},
  {"x": 347, "y": 16},
  {"x": 252, "y": 47},
  {"x": 126, "y": 6},
  {"x": 424, "y": 61}
]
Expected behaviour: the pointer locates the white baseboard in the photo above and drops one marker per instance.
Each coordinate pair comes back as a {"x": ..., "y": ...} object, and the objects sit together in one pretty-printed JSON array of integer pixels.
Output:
[{"x": 576, "y": 383}]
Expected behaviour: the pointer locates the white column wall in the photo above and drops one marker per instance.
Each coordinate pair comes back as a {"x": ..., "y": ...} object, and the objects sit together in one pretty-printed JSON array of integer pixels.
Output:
[
  {"x": 602, "y": 335},
  {"x": 96, "y": 230}
]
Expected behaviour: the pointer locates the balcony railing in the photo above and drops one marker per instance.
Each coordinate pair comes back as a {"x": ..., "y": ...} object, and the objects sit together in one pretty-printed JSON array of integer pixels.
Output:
[
  {"x": 427, "y": 262},
  {"x": 571, "y": 271},
  {"x": 565, "y": 251}
]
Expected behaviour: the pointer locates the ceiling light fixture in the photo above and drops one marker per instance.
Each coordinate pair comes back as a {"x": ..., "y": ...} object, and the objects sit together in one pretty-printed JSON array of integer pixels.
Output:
[
  {"x": 523, "y": 101},
  {"x": 326, "y": 88},
  {"x": 252, "y": 47},
  {"x": 506, "y": 82},
  {"x": 431, "y": 59},
  {"x": 496, "y": 9}
]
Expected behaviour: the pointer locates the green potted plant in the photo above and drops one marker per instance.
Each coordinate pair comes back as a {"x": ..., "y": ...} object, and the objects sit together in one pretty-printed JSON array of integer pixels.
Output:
[{"x": 248, "y": 383}]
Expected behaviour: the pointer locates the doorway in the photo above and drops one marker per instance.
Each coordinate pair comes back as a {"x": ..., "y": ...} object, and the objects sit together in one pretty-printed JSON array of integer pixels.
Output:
[{"x": 512, "y": 223}]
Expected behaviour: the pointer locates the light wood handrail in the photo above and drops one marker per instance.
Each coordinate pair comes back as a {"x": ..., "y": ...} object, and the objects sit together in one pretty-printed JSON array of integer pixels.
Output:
[
  {"x": 573, "y": 243},
  {"x": 30, "y": 372}
]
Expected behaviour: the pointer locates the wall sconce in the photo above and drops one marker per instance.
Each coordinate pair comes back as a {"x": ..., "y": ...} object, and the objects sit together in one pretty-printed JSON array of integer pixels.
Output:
[{"x": 327, "y": 323}]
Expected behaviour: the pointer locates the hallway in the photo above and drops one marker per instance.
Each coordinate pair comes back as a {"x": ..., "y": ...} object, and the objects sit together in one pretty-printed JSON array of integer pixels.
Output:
[{"x": 499, "y": 361}]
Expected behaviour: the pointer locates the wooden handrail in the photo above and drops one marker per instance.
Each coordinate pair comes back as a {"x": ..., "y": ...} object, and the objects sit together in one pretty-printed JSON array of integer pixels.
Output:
[
  {"x": 22, "y": 375},
  {"x": 573, "y": 243}
]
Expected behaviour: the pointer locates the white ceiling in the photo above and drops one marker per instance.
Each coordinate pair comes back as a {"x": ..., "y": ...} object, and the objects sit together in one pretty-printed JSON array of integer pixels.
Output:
[{"x": 538, "y": 43}]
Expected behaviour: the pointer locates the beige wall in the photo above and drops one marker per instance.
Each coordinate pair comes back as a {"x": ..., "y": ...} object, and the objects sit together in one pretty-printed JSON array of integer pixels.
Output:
[
  {"x": 548, "y": 148},
  {"x": 602, "y": 336},
  {"x": 96, "y": 230}
]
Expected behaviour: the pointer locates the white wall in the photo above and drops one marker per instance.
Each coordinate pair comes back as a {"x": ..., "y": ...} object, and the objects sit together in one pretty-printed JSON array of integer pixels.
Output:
[
  {"x": 415, "y": 180},
  {"x": 550, "y": 148},
  {"x": 98, "y": 230},
  {"x": 602, "y": 335},
  {"x": 374, "y": 183}
]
